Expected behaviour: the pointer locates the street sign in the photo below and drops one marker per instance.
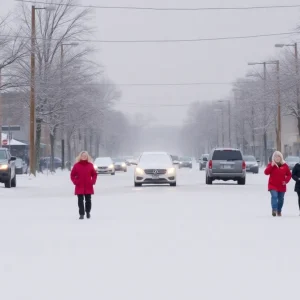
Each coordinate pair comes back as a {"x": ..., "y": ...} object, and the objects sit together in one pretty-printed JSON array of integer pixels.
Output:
[{"x": 11, "y": 128}]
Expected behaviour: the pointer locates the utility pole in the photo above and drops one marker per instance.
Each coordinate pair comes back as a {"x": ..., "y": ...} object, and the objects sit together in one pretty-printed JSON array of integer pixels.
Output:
[
  {"x": 223, "y": 137},
  {"x": 1, "y": 120},
  {"x": 229, "y": 122},
  {"x": 265, "y": 117},
  {"x": 278, "y": 109},
  {"x": 32, "y": 97},
  {"x": 297, "y": 90},
  {"x": 62, "y": 114}
]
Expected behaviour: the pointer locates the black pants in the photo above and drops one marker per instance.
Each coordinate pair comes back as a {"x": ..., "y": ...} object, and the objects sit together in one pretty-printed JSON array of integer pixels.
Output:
[
  {"x": 298, "y": 199},
  {"x": 88, "y": 204}
]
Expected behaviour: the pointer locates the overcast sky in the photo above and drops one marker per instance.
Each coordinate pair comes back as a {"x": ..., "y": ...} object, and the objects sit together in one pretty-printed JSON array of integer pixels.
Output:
[{"x": 209, "y": 61}]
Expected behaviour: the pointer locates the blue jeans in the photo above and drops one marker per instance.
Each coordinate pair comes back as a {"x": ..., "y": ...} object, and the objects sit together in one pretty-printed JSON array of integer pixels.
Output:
[{"x": 277, "y": 200}]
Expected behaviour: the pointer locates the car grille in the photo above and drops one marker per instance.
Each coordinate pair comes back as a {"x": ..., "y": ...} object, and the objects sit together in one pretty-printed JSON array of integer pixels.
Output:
[
  {"x": 102, "y": 168},
  {"x": 155, "y": 171}
]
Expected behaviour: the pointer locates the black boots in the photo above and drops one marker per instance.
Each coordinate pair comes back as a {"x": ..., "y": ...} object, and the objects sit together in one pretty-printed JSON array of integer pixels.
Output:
[{"x": 88, "y": 215}]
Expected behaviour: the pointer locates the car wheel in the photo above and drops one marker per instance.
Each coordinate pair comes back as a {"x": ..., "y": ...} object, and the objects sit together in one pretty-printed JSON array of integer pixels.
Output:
[
  {"x": 114, "y": 173},
  {"x": 173, "y": 184},
  {"x": 125, "y": 170},
  {"x": 8, "y": 184},
  {"x": 209, "y": 180},
  {"x": 242, "y": 181},
  {"x": 201, "y": 168},
  {"x": 14, "y": 181},
  {"x": 136, "y": 184}
]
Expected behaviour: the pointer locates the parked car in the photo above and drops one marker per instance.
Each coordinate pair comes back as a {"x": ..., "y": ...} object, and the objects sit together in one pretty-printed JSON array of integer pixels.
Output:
[
  {"x": 21, "y": 166},
  {"x": 120, "y": 164},
  {"x": 292, "y": 161},
  {"x": 7, "y": 168},
  {"x": 203, "y": 161},
  {"x": 104, "y": 165},
  {"x": 46, "y": 162},
  {"x": 155, "y": 168},
  {"x": 185, "y": 162},
  {"x": 251, "y": 164},
  {"x": 226, "y": 164}
]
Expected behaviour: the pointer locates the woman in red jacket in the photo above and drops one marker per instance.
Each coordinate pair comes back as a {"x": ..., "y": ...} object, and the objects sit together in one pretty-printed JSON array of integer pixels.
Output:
[
  {"x": 84, "y": 176},
  {"x": 280, "y": 175}
]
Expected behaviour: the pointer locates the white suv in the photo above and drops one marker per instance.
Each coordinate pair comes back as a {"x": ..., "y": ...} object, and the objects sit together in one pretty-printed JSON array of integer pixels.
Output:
[{"x": 155, "y": 168}]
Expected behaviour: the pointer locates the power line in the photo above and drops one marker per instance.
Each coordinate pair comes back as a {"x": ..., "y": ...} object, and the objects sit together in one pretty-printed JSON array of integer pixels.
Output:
[
  {"x": 140, "y": 8},
  {"x": 163, "y": 40}
]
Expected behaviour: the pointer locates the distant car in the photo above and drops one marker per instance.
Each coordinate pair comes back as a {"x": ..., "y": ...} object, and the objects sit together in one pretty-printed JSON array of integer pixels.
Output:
[
  {"x": 175, "y": 159},
  {"x": 46, "y": 162},
  {"x": 292, "y": 161},
  {"x": 203, "y": 161},
  {"x": 21, "y": 166},
  {"x": 251, "y": 164},
  {"x": 226, "y": 164},
  {"x": 104, "y": 165},
  {"x": 7, "y": 169},
  {"x": 120, "y": 164},
  {"x": 185, "y": 162},
  {"x": 155, "y": 168}
]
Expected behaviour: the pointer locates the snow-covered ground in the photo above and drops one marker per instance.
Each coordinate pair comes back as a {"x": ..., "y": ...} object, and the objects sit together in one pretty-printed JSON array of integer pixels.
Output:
[{"x": 151, "y": 243}]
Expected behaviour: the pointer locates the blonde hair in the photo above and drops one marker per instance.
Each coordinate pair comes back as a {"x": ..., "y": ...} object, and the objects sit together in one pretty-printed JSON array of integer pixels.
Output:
[
  {"x": 78, "y": 158},
  {"x": 278, "y": 153}
]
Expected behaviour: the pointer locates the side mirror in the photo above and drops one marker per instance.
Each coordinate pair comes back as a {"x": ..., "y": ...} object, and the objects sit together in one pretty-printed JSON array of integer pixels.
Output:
[
  {"x": 13, "y": 158},
  {"x": 134, "y": 163},
  {"x": 258, "y": 161}
]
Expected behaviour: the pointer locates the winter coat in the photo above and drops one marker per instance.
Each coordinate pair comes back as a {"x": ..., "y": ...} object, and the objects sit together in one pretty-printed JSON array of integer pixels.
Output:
[
  {"x": 296, "y": 177},
  {"x": 279, "y": 177},
  {"x": 84, "y": 176}
]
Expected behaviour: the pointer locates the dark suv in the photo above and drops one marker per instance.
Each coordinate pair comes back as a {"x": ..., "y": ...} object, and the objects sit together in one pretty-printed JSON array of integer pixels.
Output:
[
  {"x": 226, "y": 164},
  {"x": 7, "y": 169}
]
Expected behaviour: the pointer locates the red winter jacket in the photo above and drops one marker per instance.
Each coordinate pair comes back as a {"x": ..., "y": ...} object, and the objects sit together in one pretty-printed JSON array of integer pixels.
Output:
[
  {"x": 279, "y": 177},
  {"x": 84, "y": 176}
]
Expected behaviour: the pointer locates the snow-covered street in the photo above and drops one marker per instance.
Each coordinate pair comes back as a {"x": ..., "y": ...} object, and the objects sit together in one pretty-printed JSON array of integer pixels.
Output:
[{"x": 192, "y": 241}]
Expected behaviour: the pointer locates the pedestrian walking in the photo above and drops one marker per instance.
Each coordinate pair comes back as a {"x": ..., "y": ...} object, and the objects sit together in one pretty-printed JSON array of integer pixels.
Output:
[
  {"x": 296, "y": 177},
  {"x": 279, "y": 176},
  {"x": 84, "y": 177}
]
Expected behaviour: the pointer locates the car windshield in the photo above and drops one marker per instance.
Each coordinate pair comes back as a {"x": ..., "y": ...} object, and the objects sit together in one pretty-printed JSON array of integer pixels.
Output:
[
  {"x": 3, "y": 154},
  {"x": 228, "y": 155},
  {"x": 119, "y": 159},
  {"x": 103, "y": 161},
  {"x": 249, "y": 158},
  {"x": 185, "y": 159},
  {"x": 156, "y": 158},
  {"x": 292, "y": 159}
]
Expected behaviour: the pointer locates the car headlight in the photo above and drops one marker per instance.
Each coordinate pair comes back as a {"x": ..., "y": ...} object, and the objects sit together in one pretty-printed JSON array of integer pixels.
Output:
[
  {"x": 255, "y": 165},
  {"x": 171, "y": 171},
  {"x": 123, "y": 165},
  {"x": 111, "y": 166},
  {"x": 139, "y": 171},
  {"x": 95, "y": 166},
  {"x": 3, "y": 167}
]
